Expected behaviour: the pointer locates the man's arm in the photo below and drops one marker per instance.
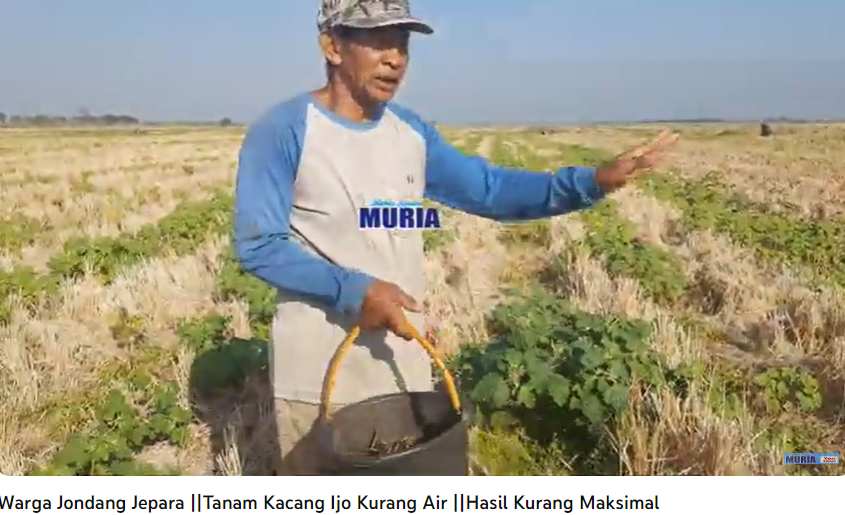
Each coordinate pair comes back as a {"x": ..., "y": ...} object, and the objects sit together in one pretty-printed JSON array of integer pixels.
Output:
[
  {"x": 267, "y": 166},
  {"x": 473, "y": 185}
]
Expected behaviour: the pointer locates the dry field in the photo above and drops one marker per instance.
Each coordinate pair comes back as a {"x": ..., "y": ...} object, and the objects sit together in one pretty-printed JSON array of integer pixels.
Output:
[{"x": 706, "y": 306}]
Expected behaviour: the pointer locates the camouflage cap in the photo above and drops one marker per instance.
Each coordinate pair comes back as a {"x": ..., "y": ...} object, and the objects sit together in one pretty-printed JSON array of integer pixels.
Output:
[{"x": 368, "y": 14}]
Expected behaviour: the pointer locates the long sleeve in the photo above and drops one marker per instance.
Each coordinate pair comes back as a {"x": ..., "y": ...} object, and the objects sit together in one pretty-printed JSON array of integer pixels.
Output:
[
  {"x": 473, "y": 185},
  {"x": 267, "y": 166}
]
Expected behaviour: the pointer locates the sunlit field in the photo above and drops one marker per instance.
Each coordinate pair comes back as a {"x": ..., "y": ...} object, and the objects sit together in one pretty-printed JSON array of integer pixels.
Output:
[{"x": 691, "y": 324}]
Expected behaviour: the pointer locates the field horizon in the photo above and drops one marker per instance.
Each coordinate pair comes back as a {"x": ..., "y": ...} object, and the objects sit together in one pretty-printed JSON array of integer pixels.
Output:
[{"x": 691, "y": 324}]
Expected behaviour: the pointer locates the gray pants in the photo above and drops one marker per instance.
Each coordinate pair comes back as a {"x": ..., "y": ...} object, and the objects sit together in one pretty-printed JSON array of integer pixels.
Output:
[{"x": 297, "y": 442}]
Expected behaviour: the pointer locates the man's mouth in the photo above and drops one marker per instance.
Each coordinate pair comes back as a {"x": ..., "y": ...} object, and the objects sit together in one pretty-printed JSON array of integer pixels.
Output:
[{"x": 388, "y": 82}]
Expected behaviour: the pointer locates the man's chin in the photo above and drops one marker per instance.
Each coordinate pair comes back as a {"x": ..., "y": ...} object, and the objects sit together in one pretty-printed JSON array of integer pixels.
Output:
[{"x": 382, "y": 95}]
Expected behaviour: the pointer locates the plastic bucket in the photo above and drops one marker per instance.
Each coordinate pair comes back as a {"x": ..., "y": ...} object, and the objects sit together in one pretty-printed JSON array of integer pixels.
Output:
[{"x": 401, "y": 434}]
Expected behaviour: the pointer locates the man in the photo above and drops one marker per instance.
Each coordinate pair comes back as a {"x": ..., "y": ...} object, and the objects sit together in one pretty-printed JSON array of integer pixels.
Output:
[{"x": 306, "y": 168}]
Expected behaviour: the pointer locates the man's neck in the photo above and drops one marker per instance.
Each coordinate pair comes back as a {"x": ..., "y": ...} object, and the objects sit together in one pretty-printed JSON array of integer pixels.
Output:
[{"x": 338, "y": 98}]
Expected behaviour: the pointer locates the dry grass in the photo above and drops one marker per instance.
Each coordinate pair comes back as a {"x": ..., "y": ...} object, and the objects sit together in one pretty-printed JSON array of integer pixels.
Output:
[
  {"x": 800, "y": 166},
  {"x": 747, "y": 313},
  {"x": 105, "y": 182}
]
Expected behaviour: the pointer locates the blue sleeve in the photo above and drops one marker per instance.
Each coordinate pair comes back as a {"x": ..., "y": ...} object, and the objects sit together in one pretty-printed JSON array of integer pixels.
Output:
[
  {"x": 473, "y": 185},
  {"x": 267, "y": 165}
]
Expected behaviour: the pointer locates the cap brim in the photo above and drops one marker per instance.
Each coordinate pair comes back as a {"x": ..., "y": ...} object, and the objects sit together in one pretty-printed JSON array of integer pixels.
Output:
[{"x": 412, "y": 24}]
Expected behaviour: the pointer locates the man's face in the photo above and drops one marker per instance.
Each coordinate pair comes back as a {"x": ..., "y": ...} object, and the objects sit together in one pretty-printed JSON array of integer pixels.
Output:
[{"x": 373, "y": 61}]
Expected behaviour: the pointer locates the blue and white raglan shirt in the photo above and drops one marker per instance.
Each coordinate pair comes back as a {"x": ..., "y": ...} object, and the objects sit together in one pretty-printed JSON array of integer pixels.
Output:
[{"x": 304, "y": 173}]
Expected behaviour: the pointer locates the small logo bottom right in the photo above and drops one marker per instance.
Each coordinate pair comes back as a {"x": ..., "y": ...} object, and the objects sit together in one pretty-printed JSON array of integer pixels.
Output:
[{"x": 811, "y": 458}]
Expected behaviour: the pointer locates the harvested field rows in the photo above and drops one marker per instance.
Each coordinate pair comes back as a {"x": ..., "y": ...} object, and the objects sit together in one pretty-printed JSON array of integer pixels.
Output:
[{"x": 691, "y": 324}]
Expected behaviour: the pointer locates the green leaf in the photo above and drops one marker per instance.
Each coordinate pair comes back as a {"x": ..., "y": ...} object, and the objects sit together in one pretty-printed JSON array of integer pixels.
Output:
[
  {"x": 559, "y": 388},
  {"x": 602, "y": 385},
  {"x": 619, "y": 371},
  {"x": 592, "y": 408},
  {"x": 493, "y": 389},
  {"x": 513, "y": 357},
  {"x": 540, "y": 372},
  {"x": 617, "y": 397},
  {"x": 591, "y": 358},
  {"x": 526, "y": 396}
]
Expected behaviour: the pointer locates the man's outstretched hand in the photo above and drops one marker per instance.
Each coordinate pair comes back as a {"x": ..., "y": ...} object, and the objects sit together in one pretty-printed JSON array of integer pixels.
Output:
[
  {"x": 628, "y": 165},
  {"x": 383, "y": 307}
]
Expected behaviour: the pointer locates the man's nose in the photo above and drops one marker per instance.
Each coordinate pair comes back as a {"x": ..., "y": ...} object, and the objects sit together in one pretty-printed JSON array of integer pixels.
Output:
[{"x": 394, "y": 57}]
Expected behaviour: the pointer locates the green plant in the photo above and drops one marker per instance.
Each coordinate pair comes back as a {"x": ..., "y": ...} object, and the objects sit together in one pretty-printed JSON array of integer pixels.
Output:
[
  {"x": 776, "y": 237},
  {"x": 533, "y": 233},
  {"x": 614, "y": 240},
  {"x": 27, "y": 286},
  {"x": 234, "y": 283},
  {"x": 796, "y": 435},
  {"x": 104, "y": 256},
  {"x": 18, "y": 231},
  {"x": 725, "y": 387},
  {"x": 502, "y": 154},
  {"x": 181, "y": 232},
  {"x": 221, "y": 361},
  {"x": 121, "y": 429},
  {"x": 127, "y": 330},
  {"x": 470, "y": 144},
  {"x": 584, "y": 156},
  {"x": 135, "y": 402},
  {"x": 435, "y": 239},
  {"x": 563, "y": 374},
  {"x": 789, "y": 388}
]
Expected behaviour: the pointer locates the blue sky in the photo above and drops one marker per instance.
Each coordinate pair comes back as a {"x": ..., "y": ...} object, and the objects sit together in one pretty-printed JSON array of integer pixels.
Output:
[{"x": 497, "y": 61}]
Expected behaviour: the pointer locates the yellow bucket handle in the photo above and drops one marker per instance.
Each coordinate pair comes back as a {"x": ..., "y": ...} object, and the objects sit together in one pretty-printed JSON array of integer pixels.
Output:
[{"x": 329, "y": 380}]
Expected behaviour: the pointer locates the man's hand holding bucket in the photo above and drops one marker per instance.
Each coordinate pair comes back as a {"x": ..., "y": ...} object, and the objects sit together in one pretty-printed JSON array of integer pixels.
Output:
[{"x": 383, "y": 307}]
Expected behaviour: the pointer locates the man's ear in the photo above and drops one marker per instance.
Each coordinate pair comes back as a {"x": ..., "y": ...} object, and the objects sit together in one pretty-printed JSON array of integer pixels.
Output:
[{"x": 330, "y": 49}]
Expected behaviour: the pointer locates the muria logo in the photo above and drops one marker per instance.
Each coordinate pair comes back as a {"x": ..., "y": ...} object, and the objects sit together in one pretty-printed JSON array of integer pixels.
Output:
[
  {"x": 801, "y": 460},
  {"x": 382, "y": 214},
  {"x": 810, "y": 458}
]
